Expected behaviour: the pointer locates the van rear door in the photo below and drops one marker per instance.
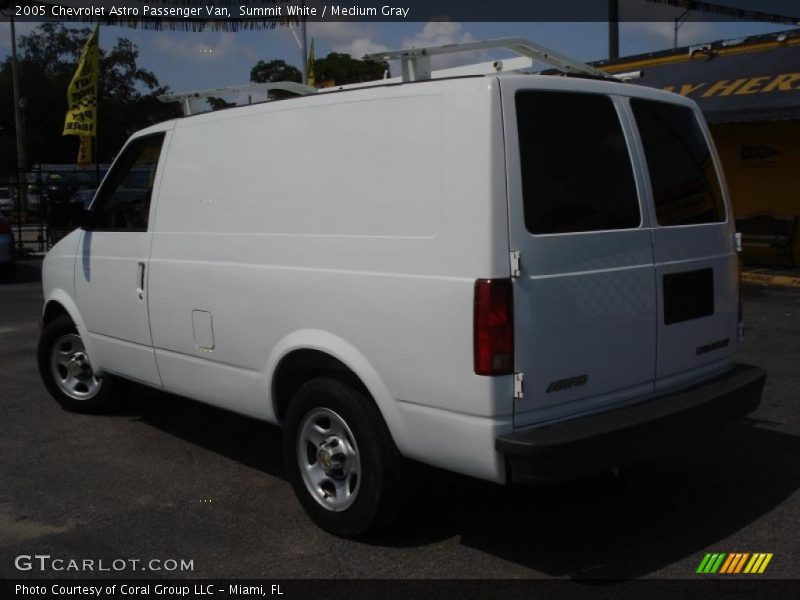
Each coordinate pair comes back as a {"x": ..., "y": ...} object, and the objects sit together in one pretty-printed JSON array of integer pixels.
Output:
[
  {"x": 585, "y": 298},
  {"x": 694, "y": 246}
]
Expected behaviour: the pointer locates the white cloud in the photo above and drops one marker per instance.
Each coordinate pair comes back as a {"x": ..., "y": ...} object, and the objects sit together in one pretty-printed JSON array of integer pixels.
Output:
[
  {"x": 662, "y": 33},
  {"x": 355, "y": 39},
  {"x": 440, "y": 33},
  {"x": 359, "y": 47},
  {"x": 204, "y": 48},
  {"x": 358, "y": 39},
  {"x": 340, "y": 32}
]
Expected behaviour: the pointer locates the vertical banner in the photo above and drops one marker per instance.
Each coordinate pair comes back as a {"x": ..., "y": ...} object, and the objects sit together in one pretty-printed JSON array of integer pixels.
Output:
[
  {"x": 85, "y": 151},
  {"x": 81, "y": 117}
]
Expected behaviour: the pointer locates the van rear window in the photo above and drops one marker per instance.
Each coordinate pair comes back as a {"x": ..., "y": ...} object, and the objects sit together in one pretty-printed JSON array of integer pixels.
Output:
[
  {"x": 576, "y": 169},
  {"x": 686, "y": 188}
]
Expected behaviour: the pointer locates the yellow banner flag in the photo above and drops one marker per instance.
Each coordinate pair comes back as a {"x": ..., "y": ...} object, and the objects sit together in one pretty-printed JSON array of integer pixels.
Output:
[
  {"x": 82, "y": 92},
  {"x": 85, "y": 152}
]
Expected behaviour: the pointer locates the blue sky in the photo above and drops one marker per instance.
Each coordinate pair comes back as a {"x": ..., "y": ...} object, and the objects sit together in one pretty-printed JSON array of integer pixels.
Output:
[{"x": 190, "y": 61}]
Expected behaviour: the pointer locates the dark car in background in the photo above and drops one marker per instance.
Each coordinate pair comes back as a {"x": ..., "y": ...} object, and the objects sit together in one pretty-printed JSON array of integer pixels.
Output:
[
  {"x": 60, "y": 186},
  {"x": 83, "y": 198},
  {"x": 63, "y": 196},
  {"x": 6, "y": 249},
  {"x": 33, "y": 198},
  {"x": 7, "y": 200}
]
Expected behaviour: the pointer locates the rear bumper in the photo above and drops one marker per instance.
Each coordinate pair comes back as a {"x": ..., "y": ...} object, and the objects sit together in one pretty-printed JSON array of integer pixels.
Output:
[{"x": 595, "y": 442}]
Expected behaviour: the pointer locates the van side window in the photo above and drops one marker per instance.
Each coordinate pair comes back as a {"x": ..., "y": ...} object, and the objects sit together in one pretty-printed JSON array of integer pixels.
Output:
[
  {"x": 576, "y": 169},
  {"x": 123, "y": 201},
  {"x": 686, "y": 188}
]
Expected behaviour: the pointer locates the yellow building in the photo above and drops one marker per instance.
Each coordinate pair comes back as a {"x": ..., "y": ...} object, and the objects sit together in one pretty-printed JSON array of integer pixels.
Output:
[{"x": 749, "y": 91}]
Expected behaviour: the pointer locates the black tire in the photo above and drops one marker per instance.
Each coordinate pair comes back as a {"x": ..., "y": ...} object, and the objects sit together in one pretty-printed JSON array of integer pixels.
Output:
[
  {"x": 378, "y": 498},
  {"x": 100, "y": 402}
]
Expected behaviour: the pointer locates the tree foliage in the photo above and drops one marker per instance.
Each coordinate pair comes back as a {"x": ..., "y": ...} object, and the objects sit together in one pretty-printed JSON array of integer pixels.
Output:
[
  {"x": 343, "y": 69},
  {"x": 339, "y": 68},
  {"x": 48, "y": 56},
  {"x": 219, "y": 103},
  {"x": 274, "y": 70}
]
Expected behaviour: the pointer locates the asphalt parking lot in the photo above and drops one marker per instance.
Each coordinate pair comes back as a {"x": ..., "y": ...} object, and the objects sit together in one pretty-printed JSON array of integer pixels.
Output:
[{"x": 166, "y": 478}]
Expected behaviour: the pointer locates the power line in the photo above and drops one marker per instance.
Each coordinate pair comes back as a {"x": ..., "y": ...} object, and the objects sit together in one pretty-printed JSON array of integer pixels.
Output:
[{"x": 729, "y": 11}]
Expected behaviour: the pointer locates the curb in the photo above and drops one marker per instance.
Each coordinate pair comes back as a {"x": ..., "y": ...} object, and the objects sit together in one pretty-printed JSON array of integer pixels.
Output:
[{"x": 771, "y": 280}]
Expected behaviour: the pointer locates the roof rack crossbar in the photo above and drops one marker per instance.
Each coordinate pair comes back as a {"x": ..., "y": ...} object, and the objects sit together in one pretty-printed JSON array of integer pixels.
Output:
[
  {"x": 184, "y": 98},
  {"x": 415, "y": 63}
]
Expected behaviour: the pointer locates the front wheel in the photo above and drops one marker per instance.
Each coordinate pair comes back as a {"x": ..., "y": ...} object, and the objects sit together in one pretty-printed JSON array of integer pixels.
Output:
[
  {"x": 341, "y": 460},
  {"x": 66, "y": 371}
]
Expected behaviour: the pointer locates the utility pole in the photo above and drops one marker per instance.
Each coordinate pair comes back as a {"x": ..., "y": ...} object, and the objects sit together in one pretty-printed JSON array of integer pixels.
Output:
[
  {"x": 678, "y": 22},
  {"x": 302, "y": 42},
  {"x": 304, "y": 45},
  {"x": 304, "y": 49},
  {"x": 21, "y": 158},
  {"x": 613, "y": 29}
]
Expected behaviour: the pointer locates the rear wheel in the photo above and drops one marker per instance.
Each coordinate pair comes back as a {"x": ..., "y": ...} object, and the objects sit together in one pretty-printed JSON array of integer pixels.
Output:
[
  {"x": 66, "y": 371},
  {"x": 341, "y": 459}
]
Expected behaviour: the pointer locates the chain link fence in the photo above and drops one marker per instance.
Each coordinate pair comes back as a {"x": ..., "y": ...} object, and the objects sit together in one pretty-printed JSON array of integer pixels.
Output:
[{"x": 44, "y": 204}]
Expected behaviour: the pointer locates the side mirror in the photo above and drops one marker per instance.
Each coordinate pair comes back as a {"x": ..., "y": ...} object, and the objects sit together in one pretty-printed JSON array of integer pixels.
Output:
[{"x": 87, "y": 219}]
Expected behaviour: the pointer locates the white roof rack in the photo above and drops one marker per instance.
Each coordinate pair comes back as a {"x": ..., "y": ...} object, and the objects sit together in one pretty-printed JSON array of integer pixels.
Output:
[
  {"x": 415, "y": 63},
  {"x": 185, "y": 98},
  {"x": 416, "y": 66},
  {"x": 507, "y": 66}
]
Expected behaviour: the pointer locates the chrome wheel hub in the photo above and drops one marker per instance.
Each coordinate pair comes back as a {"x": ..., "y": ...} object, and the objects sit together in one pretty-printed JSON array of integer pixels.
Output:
[
  {"x": 333, "y": 456},
  {"x": 328, "y": 459},
  {"x": 71, "y": 368}
]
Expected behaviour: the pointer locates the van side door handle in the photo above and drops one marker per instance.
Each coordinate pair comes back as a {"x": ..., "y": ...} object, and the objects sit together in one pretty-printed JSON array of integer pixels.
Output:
[{"x": 140, "y": 281}]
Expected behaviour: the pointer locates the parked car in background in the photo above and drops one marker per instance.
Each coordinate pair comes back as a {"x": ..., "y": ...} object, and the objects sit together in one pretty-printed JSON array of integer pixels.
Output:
[
  {"x": 33, "y": 198},
  {"x": 7, "y": 265},
  {"x": 83, "y": 197},
  {"x": 60, "y": 186},
  {"x": 7, "y": 200},
  {"x": 63, "y": 217}
]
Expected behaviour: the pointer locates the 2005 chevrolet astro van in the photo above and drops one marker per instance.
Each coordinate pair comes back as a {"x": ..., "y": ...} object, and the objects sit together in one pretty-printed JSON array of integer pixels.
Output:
[{"x": 513, "y": 277}]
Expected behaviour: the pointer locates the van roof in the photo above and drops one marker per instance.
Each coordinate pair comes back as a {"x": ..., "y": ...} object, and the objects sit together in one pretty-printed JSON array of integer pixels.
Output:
[{"x": 576, "y": 83}]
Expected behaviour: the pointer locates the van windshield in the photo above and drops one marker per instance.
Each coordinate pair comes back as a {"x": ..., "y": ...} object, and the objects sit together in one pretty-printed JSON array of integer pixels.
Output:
[{"x": 686, "y": 188}]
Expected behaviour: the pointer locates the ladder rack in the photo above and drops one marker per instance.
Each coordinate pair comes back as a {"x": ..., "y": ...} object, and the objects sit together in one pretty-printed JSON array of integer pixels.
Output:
[
  {"x": 416, "y": 66},
  {"x": 415, "y": 63},
  {"x": 185, "y": 98}
]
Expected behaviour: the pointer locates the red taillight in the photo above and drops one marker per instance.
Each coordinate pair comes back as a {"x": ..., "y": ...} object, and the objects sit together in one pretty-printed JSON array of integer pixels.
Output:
[
  {"x": 494, "y": 327},
  {"x": 4, "y": 226}
]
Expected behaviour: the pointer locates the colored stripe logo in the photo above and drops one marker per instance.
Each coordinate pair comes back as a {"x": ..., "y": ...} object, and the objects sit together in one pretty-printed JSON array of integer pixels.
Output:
[{"x": 734, "y": 563}]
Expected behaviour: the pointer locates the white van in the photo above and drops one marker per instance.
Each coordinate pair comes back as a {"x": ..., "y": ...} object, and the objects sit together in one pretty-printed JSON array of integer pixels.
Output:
[{"x": 516, "y": 277}]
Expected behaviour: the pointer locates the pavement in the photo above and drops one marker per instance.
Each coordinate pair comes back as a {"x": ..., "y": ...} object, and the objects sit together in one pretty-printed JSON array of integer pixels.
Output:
[{"x": 166, "y": 478}]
